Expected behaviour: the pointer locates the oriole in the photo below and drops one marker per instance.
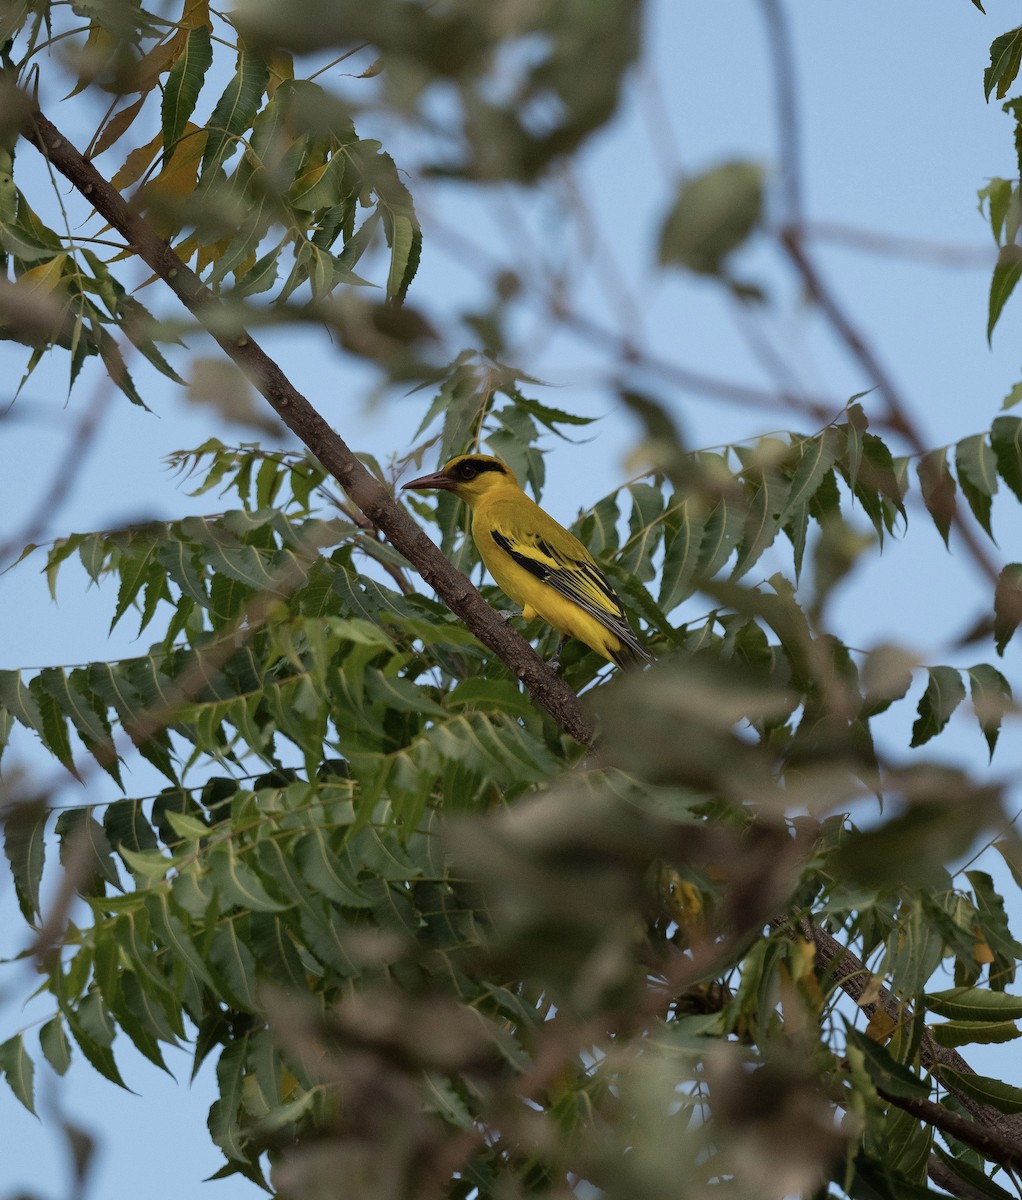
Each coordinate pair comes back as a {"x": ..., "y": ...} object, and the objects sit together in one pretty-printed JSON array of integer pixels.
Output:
[{"x": 536, "y": 561}]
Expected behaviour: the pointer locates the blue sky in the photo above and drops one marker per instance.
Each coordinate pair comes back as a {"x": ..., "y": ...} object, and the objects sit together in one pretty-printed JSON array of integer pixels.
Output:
[{"x": 897, "y": 139}]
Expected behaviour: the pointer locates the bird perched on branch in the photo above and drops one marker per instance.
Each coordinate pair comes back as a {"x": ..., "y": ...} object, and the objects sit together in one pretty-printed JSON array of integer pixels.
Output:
[{"x": 536, "y": 561}]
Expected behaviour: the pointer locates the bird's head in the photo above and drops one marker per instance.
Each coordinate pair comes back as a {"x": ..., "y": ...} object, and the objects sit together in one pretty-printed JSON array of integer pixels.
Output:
[{"x": 469, "y": 477}]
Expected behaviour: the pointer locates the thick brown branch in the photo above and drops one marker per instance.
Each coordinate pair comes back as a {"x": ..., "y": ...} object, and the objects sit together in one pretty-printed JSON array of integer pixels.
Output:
[
  {"x": 991, "y": 1144},
  {"x": 302, "y": 419}
]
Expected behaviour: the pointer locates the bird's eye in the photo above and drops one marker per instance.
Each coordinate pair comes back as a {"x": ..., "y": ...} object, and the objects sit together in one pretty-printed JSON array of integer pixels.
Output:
[{"x": 467, "y": 471}]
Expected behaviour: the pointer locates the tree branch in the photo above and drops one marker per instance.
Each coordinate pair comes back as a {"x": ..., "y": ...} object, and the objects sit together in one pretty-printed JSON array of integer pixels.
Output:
[
  {"x": 457, "y": 592},
  {"x": 995, "y": 1134}
]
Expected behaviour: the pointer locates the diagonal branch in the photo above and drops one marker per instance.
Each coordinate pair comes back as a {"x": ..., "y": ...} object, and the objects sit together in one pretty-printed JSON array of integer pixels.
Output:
[
  {"x": 995, "y": 1134},
  {"x": 302, "y": 419}
]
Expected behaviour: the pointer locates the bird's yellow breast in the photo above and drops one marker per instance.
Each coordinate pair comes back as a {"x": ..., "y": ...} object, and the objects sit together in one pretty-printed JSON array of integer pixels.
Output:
[{"x": 513, "y": 516}]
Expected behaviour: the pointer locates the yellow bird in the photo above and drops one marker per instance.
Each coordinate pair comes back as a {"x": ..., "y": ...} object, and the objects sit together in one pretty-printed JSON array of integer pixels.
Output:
[{"x": 536, "y": 561}]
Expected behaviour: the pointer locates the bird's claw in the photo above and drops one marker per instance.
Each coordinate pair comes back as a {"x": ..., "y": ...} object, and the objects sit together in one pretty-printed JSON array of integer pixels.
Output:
[
  {"x": 508, "y": 614},
  {"x": 554, "y": 663}
]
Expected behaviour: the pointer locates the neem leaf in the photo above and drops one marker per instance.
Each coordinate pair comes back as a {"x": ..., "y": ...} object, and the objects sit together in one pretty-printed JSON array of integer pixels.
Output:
[
  {"x": 938, "y": 488},
  {"x": 976, "y": 465},
  {"x": 1002, "y": 1096},
  {"x": 1007, "y": 604},
  {"x": 887, "y": 1074},
  {"x": 974, "y": 1004},
  {"x": 943, "y": 694},
  {"x": 991, "y": 698},
  {"x": 1005, "y": 56},
  {"x": 1002, "y": 283},
  {"x": 971, "y": 1033}
]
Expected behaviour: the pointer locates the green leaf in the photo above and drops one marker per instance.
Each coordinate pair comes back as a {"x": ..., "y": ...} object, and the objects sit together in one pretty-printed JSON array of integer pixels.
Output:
[
  {"x": 980, "y": 1183},
  {"x": 237, "y": 883},
  {"x": 224, "y": 1112},
  {"x": 991, "y": 698},
  {"x": 944, "y": 692},
  {"x": 183, "y": 86},
  {"x": 234, "y": 111},
  {"x": 972, "y": 1004},
  {"x": 325, "y": 871},
  {"x": 976, "y": 465},
  {"x": 969, "y": 1033},
  {"x": 236, "y": 966},
  {"x": 723, "y": 528},
  {"x": 83, "y": 711},
  {"x": 1006, "y": 439},
  {"x": 938, "y": 488},
  {"x": 817, "y": 457},
  {"x": 19, "y": 701},
  {"x": 86, "y": 851},
  {"x": 1002, "y": 1096},
  {"x": 1005, "y": 56},
  {"x": 25, "y": 848},
  {"x": 405, "y": 240},
  {"x": 55, "y": 1045},
  {"x": 1007, "y": 604},
  {"x": 887, "y": 1074},
  {"x": 1006, "y": 275},
  {"x": 93, "y": 1030},
  {"x": 766, "y": 509},
  {"x": 712, "y": 215},
  {"x": 993, "y": 925},
  {"x": 685, "y": 524},
  {"x": 19, "y": 1070}
]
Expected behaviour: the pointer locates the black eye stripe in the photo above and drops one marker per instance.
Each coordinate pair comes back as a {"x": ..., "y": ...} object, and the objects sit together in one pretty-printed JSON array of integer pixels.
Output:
[{"x": 471, "y": 467}]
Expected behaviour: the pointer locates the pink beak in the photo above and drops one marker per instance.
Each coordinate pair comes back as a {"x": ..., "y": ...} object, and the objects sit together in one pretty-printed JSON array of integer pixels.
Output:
[{"x": 437, "y": 480}]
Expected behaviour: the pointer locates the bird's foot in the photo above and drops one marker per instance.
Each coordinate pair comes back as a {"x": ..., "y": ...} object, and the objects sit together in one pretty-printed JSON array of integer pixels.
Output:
[
  {"x": 554, "y": 664},
  {"x": 508, "y": 614}
]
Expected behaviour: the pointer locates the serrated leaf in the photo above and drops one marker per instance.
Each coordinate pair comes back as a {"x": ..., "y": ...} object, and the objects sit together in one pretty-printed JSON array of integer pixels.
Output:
[
  {"x": 1002, "y": 1096},
  {"x": 234, "y": 111},
  {"x": 723, "y": 528},
  {"x": 973, "y": 1004},
  {"x": 974, "y": 1033},
  {"x": 817, "y": 457},
  {"x": 184, "y": 84},
  {"x": 1006, "y": 275},
  {"x": 938, "y": 489},
  {"x": 1006, "y": 440},
  {"x": 19, "y": 1070},
  {"x": 976, "y": 465},
  {"x": 979, "y": 1182},
  {"x": 236, "y": 966},
  {"x": 405, "y": 239},
  {"x": 1005, "y": 56},
  {"x": 18, "y": 700},
  {"x": 887, "y": 1074},
  {"x": 766, "y": 509},
  {"x": 944, "y": 692},
  {"x": 685, "y": 526},
  {"x": 25, "y": 848},
  {"x": 55, "y": 1045},
  {"x": 237, "y": 883},
  {"x": 149, "y": 864},
  {"x": 1007, "y": 604},
  {"x": 991, "y": 698},
  {"x": 91, "y": 1028}
]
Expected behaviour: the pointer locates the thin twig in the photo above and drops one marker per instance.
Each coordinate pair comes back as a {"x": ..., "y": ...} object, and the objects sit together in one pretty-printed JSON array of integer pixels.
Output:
[{"x": 938, "y": 254}]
